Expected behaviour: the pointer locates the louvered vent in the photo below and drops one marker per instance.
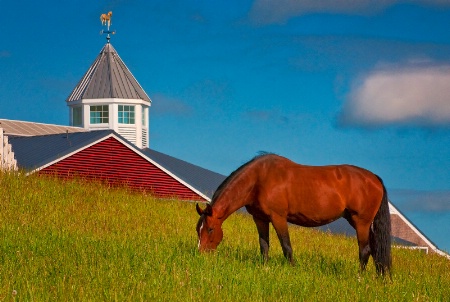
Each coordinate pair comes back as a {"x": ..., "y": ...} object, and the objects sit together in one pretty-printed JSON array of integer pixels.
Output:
[
  {"x": 144, "y": 138},
  {"x": 128, "y": 133}
]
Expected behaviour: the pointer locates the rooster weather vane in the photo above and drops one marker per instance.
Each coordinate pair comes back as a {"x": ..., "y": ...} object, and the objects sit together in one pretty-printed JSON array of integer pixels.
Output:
[{"x": 106, "y": 20}]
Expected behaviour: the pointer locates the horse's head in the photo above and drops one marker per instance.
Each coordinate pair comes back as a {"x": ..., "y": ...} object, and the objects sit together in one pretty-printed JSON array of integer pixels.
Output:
[{"x": 209, "y": 229}]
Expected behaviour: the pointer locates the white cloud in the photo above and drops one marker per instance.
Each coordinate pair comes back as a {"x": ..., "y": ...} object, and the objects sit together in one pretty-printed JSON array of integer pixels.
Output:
[
  {"x": 279, "y": 11},
  {"x": 411, "y": 96}
]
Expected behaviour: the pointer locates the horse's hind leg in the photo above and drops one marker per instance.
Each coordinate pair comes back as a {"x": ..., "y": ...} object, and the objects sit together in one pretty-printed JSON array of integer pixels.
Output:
[
  {"x": 263, "y": 231},
  {"x": 362, "y": 234},
  {"x": 281, "y": 227}
]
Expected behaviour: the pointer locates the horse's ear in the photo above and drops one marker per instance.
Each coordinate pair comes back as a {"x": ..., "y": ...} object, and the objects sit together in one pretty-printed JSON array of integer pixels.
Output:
[
  {"x": 207, "y": 211},
  {"x": 199, "y": 210}
]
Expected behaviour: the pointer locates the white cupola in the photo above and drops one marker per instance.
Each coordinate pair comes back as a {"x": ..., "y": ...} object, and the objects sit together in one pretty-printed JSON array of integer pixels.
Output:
[{"x": 109, "y": 97}]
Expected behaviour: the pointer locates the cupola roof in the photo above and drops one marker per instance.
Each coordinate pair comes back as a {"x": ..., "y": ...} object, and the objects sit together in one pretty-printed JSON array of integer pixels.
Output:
[{"x": 108, "y": 77}]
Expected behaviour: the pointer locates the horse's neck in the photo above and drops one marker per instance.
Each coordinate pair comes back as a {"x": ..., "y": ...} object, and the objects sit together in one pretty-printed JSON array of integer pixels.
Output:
[{"x": 236, "y": 195}]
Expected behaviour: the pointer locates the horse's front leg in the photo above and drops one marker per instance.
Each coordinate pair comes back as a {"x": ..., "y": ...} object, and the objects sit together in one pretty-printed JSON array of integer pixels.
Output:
[
  {"x": 263, "y": 231},
  {"x": 281, "y": 227}
]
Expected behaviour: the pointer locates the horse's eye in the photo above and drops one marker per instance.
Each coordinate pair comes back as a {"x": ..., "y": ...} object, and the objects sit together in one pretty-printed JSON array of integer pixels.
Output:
[{"x": 210, "y": 230}]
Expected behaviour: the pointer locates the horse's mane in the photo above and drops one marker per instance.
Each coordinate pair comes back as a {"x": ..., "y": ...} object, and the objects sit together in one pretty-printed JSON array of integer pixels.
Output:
[{"x": 236, "y": 172}]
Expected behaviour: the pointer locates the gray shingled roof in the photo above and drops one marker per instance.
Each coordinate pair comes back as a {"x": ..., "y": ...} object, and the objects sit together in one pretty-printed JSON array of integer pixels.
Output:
[
  {"x": 204, "y": 180},
  {"x": 108, "y": 77}
]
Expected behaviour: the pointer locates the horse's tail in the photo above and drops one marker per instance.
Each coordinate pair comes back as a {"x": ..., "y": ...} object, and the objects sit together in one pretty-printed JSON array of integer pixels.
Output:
[{"x": 380, "y": 236}]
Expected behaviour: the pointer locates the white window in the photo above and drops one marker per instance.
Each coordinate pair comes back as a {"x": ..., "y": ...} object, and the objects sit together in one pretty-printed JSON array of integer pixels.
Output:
[
  {"x": 76, "y": 116},
  {"x": 144, "y": 120},
  {"x": 126, "y": 114},
  {"x": 99, "y": 114}
]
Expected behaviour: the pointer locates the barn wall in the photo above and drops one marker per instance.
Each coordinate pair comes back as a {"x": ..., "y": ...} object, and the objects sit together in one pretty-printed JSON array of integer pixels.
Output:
[
  {"x": 403, "y": 231},
  {"x": 114, "y": 163},
  {"x": 7, "y": 159}
]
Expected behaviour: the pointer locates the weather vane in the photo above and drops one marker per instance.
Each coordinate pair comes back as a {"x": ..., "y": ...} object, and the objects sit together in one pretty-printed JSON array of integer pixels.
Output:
[{"x": 106, "y": 20}]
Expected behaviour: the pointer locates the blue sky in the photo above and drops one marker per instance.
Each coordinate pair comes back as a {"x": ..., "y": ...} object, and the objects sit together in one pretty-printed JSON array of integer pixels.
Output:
[{"x": 320, "y": 82}]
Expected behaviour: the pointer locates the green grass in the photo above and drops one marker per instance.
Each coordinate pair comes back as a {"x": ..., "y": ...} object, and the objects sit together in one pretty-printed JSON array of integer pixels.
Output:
[{"x": 78, "y": 241}]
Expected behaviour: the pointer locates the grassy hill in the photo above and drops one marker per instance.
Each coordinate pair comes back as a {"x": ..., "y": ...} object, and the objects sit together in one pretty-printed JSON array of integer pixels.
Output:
[{"x": 72, "y": 240}]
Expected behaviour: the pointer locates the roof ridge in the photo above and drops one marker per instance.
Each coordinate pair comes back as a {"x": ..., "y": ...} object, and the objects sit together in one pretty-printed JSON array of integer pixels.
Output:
[
  {"x": 133, "y": 79},
  {"x": 28, "y": 122},
  {"x": 14, "y": 136}
]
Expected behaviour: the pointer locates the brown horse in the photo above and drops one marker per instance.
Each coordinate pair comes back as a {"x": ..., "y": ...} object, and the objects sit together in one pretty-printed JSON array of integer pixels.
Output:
[
  {"x": 276, "y": 190},
  {"x": 106, "y": 18}
]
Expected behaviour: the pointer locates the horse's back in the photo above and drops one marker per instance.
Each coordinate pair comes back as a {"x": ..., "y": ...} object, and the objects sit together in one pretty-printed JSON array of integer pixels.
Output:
[
  {"x": 314, "y": 195},
  {"x": 282, "y": 171}
]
